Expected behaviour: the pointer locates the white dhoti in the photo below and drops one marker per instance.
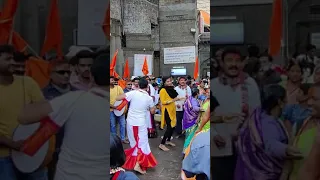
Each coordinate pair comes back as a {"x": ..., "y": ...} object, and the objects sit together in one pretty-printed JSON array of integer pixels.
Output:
[{"x": 140, "y": 149}]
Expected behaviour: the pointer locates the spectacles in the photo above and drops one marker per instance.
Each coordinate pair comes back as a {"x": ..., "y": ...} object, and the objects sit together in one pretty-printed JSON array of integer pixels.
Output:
[
  {"x": 129, "y": 84},
  {"x": 62, "y": 72}
]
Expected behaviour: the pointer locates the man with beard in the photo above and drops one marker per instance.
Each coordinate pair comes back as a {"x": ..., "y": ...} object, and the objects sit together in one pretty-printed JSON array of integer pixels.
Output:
[
  {"x": 238, "y": 95},
  {"x": 184, "y": 91},
  {"x": 15, "y": 93},
  {"x": 83, "y": 61}
]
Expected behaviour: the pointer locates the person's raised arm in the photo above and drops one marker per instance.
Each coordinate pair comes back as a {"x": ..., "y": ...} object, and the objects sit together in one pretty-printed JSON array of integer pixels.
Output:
[{"x": 33, "y": 113}]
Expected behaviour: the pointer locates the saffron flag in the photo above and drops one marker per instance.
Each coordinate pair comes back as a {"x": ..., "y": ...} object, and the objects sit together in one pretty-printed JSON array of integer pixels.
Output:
[
  {"x": 275, "y": 34},
  {"x": 53, "y": 39},
  {"x": 113, "y": 63},
  {"x": 6, "y": 21},
  {"x": 18, "y": 42},
  {"x": 196, "y": 69},
  {"x": 39, "y": 70},
  {"x": 106, "y": 23},
  {"x": 145, "y": 68},
  {"x": 126, "y": 72}
]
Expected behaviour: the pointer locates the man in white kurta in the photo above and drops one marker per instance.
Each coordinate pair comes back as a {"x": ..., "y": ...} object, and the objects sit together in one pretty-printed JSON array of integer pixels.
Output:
[
  {"x": 139, "y": 156},
  {"x": 238, "y": 95}
]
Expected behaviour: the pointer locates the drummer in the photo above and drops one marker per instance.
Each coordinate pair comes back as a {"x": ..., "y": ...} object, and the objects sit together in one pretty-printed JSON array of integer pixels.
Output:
[
  {"x": 115, "y": 91},
  {"x": 15, "y": 92}
]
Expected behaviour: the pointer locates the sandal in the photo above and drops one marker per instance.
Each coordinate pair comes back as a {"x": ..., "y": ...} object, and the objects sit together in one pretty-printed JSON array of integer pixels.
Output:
[{"x": 163, "y": 147}]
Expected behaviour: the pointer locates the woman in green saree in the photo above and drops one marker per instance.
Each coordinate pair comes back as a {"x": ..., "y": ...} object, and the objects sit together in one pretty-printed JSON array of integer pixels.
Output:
[{"x": 305, "y": 137}]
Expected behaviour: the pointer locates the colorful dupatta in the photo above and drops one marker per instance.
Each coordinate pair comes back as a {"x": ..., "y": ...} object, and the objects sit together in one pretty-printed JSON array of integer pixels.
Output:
[
  {"x": 253, "y": 161},
  {"x": 190, "y": 116}
]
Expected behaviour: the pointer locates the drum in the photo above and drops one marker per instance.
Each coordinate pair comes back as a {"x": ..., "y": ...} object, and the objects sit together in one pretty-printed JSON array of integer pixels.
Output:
[
  {"x": 26, "y": 163},
  {"x": 117, "y": 112}
]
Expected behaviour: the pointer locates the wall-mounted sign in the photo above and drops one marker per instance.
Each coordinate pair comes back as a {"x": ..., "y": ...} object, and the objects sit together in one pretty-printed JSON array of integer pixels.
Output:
[
  {"x": 177, "y": 55},
  {"x": 238, "y": 2}
]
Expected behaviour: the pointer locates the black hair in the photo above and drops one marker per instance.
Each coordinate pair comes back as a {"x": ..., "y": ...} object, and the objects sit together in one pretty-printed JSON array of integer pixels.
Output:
[
  {"x": 154, "y": 84},
  {"x": 117, "y": 155},
  {"x": 105, "y": 50},
  {"x": 183, "y": 77},
  {"x": 86, "y": 54},
  {"x": 231, "y": 51},
  {"x": 19, "y": 57},
  {"x": 252, "y": 67},
  {"x": 164, "y": 79},
  {"x": 100, "y": 70},
  {"x": 305, "y": 88},
  {"x": 266, "y": 54},
  {"x": 6, "y": 48},
  {"x": 194, "y": 92},
  {"x": 143, "y": 83},
  {"x": 310, "y": 47},
  {"x": 253, "y": 51},
  {"x": 271, "y": 94},
  {"x": 136, "y": 79}
]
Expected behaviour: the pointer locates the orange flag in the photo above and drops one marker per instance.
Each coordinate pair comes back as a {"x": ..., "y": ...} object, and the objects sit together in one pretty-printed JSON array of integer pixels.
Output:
[
  {"x": 196, "y": 69},
  {"x": 39, "y": 70},
  {"x": 53, "y": 39},
  {"x": 145, "y": 68},
  {"x": 113, "y": 63},
  {"x": 122, "y": 83},
  {"x": 126, "y": 72},
  {"x": 18, "y": 42},
  {"x": 106, "y": 23},
  {"x": 6, "y": 20},
  {"x": 275, "y": 34}
]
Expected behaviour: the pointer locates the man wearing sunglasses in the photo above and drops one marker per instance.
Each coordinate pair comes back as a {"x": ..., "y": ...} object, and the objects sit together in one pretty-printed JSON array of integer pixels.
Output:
[
  {"x": 59, "y": 80},
  {"x": 59, "y": 85}
]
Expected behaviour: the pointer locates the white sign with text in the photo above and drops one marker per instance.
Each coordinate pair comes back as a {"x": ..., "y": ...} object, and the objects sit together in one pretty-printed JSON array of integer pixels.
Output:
[{"x": 177, "y": 55}]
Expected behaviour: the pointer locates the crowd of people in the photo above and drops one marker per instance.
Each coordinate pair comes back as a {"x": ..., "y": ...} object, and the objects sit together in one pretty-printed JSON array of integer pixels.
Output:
[
  {"x": 266, "y": 123},
  {"x": 183, "y": 107},
  {"x": 70, "y": 107}
]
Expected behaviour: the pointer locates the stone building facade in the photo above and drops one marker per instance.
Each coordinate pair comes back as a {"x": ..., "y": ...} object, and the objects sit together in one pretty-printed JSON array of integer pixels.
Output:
[{"x": 149, "y": 26}]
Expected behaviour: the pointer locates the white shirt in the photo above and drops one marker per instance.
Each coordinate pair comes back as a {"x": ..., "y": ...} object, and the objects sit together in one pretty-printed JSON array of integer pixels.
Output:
[
  {"x": 140, "y": 103},
  {"x": 85, "y": 149},
  {"x": 182, "y": 93},
  {"x": 230, "y": 101}
]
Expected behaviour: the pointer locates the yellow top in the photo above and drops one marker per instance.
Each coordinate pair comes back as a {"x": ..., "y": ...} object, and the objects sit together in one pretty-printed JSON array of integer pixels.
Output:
[
  {"x": 171, "y": 108},
  {"x": 114, "y": 92},
  {"x": 13, "y": 97}
]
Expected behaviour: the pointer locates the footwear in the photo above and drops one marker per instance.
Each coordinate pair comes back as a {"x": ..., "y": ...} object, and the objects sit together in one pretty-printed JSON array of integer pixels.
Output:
[
  {"x": 170, "y": 144},
  {"x": 125, "y": 141},
  {"x": 138, "y": 169},
  {"x": 163, "y": 147}
]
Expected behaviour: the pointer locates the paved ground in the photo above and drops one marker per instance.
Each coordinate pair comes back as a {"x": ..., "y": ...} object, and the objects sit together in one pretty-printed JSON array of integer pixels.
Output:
[{"x": 169, "y": 163}]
